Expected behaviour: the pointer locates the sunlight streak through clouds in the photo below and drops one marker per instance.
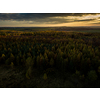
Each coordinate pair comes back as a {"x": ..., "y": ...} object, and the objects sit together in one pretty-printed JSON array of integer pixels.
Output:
[{"x": 48, "y": 19}]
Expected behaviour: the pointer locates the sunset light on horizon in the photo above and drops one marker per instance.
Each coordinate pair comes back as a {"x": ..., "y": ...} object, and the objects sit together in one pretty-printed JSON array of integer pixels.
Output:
[{"x": 48, "y": 19}]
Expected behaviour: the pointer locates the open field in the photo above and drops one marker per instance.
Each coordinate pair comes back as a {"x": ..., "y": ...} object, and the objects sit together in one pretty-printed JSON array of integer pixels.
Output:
[{"x": 50, "y": 57}]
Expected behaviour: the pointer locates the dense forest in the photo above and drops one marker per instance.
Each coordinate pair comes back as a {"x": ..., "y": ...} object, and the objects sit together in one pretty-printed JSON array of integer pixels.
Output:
[{"x": 49, "y": 59}]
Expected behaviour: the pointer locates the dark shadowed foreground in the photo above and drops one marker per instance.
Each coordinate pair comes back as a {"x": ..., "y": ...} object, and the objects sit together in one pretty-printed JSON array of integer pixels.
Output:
[{"x": 15, "y": 78}]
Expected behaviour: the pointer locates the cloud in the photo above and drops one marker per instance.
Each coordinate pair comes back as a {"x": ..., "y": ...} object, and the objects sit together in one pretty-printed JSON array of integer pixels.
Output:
[
  {"x": 35, "y": 16},
  {"x": 84, "y": 20},
  {"x": 96, "y": 23},
  {"x": 46, "y": 18}
]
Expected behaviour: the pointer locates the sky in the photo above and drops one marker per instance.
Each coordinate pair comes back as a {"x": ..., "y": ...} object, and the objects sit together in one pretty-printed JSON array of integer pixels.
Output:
[{"x": 49, "y": 19}]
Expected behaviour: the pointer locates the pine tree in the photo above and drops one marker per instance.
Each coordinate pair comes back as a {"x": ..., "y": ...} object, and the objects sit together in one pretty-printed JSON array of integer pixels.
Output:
[
  {"x": 29, "y": 65},
  {"x": 12, "y": 64},
  {"x": 38, "y": 61},
  {"x": 45, "y": 76},
  {"x": 41, "y": 60},
  {"x": 17, "y": 60},
  {"x": 46, "y": 58},
  {"x": 7, "y": 62},
  {"x": 29, "y": 62},
  {"x": 3, "y": 55},
  {"x": 99, "y": 69},
  {"x": 51, "y": 62},
  {"x": 12, "y": 57},
  {"x": 3, "y": 58}
]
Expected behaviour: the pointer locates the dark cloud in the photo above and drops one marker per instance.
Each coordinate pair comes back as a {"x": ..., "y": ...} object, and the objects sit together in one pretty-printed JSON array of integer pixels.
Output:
[
  {"x": 35, "y": 16},
  {"x": 44, "y": 18},
  {"x": 84, "y": 20},
  {"x": 63, "y": 20}
]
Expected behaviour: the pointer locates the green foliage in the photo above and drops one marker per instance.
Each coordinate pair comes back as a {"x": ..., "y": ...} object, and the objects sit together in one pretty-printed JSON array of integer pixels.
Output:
[
  {"x": 99, "y": 69},
  {"x": 29, "y": 62},
  {"x": 12, "y": 64},
  {"x": 29, "y": 65},
  {"x": 38, "y": 61},
  {"x": 7, "y": 62},
  {"x": 46, "y": 58},
  {"x": 17, "y": 60},
  {"x": 92, "y": 76},
  {"x": 82, "y": 77},
  {"x": 45, "y": 76},
  {"x": 29, "y": 72},
  {"x": 11, "y": 57},
  {"x": 66, "y": 51},
  {"x": 3, "y": 55},
  {"x": 77, "y": 72},
  {"x": 51, "y": 62}
]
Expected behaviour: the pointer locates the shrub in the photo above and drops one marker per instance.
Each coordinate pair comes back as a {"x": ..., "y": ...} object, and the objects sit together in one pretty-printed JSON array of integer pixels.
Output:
[{"x": 92, "y": 76}]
